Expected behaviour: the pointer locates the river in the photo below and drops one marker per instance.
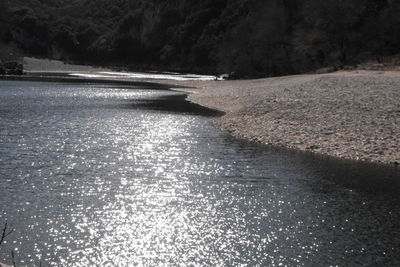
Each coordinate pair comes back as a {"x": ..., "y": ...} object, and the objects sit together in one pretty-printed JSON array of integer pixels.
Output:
[{"x": 114, "y": 175}]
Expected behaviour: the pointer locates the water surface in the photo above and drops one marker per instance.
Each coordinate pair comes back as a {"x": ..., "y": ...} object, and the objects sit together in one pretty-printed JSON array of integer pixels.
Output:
[{"x": 95, "y": 175}]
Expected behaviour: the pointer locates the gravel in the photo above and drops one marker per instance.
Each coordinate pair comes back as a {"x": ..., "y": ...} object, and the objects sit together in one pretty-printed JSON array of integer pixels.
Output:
[
  {"x": 347, "y": 114},
  {"x": 353, "y": 115}
]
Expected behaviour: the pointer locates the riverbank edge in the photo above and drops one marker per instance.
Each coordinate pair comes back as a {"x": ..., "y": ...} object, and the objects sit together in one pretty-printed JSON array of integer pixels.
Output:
[
  {"x": 242, "y": 105},
  {"x": 246, "y": 117},
  {"x": 30, "y": 78}
]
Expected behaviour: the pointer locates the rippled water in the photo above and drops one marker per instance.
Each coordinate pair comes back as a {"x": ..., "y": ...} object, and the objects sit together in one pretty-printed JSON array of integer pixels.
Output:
[{"x": 96, "y": 175}]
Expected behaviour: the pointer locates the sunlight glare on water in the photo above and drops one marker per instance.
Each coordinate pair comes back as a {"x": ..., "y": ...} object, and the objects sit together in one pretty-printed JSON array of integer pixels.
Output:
[
  {"x": 142, "y": 75},
  {"x": 96, "y": 175}
]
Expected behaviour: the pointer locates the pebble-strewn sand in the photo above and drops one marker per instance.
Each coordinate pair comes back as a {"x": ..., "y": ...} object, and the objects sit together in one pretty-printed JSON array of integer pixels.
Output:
[{"x": 352, "y": 115}]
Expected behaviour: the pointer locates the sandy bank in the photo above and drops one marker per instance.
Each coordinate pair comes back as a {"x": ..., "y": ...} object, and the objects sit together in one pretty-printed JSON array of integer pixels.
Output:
[{"x": 354, "y": 115}]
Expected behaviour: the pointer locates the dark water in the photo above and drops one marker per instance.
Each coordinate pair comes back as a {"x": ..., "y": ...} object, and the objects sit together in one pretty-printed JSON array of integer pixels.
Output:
[{"x": 96, "y": 175}]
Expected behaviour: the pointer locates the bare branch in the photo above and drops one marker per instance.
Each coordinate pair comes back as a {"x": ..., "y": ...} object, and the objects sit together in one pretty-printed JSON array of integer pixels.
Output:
[
  {"x": 13, "y": 258},
  {"x": 5, "y": 233}
]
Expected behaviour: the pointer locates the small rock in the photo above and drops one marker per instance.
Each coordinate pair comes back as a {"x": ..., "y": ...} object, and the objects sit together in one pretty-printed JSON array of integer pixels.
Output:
[
  {"x": 224, "y": 76},
  {"x": 313, "y": 147}
]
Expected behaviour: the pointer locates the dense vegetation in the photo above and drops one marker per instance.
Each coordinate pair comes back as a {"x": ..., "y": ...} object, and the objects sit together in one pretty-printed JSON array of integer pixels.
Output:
[{"x": 249, "y": 37}]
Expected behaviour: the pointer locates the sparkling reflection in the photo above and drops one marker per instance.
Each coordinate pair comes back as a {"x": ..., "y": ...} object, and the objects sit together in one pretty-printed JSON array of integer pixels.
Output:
[
  {"x": 96, "y": 175},
  {"x": 142, "y": 75}
]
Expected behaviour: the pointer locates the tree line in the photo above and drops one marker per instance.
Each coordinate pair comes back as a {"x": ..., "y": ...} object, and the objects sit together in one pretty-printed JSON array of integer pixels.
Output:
[{"x": 252, "y": 38}]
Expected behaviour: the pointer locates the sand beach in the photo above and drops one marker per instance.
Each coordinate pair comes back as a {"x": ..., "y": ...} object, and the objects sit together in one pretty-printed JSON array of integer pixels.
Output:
[{"x": 345, "y": 114}]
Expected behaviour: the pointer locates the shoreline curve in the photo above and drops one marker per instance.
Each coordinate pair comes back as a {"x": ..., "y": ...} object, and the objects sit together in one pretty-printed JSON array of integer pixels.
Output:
[{"x": 350, "y": 115}]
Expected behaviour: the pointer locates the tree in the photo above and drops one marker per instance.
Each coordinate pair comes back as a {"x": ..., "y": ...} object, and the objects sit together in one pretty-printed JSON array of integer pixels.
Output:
[
  {"x": 259, "y": 44},
  {"x": 389, "y": 29},
  {"x": 330, "y": 29},
  {"x": 3, "y": 15}
]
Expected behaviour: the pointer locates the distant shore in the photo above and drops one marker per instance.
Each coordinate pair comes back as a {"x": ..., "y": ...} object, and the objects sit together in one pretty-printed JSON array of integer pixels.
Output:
[{"x": 349, "y": 114}]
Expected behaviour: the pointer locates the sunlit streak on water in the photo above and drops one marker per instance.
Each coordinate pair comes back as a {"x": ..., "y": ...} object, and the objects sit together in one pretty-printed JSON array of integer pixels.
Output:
[
  {"x": 139, "y": 75},
  {"x": 95, "y": 175}
]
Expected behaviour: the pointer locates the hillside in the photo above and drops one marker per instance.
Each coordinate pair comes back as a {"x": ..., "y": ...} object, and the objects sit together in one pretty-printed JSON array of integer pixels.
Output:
[{"x": 253, "y": 38}]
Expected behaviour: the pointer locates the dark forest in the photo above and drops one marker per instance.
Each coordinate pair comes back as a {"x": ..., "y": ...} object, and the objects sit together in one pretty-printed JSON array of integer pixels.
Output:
[{"x": 252, "y": 38}]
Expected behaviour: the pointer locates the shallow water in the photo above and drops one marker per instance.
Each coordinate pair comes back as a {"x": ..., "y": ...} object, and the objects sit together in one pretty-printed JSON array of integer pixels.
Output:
[{"x": 117, "y": 176}]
